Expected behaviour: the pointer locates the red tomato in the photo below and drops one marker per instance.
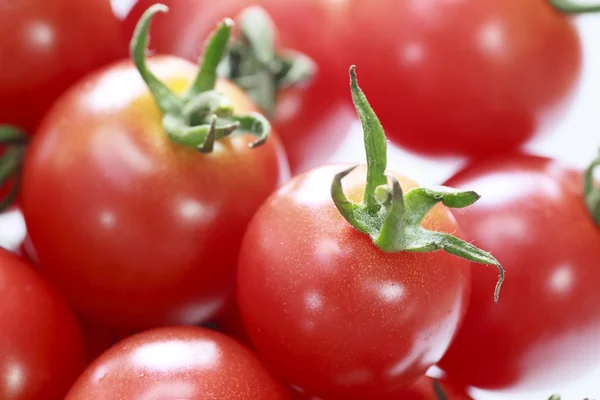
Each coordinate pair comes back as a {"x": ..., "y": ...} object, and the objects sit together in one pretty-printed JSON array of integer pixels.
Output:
[
  {"x": 423, "y": 389},
  {"x": 144, "y": 231},
  {"x": 331, "y": 312},
  {"x": 474, "y": 76},
  {"x": 468, "y": 77},
  {"x": 177, "y": 363},
  {"x": 546, "y": 327},
  {"x": 46, "y": 46},
  {"x": 41, "y": 345},
  {"x": 310, "y": 119}
]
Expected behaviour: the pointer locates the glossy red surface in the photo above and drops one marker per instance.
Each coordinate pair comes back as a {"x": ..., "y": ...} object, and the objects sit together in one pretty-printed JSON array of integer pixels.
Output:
[
  {"x": 47, "y": 46},
  {"x": 144, "y": 232},
  {"x": 333, "y": 314},
  {"x": 545, "y": 330},
  {"x": 177, "y": 363},
  {"x": 41, "y": 345}
]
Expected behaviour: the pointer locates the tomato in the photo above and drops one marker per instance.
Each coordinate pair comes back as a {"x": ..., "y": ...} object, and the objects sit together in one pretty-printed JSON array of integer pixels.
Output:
[
  {"x": 144, "y": 230},
  {"x": 422, "y": 389},
  {"x": 470, "y": 77},
  {"x": 546, "y": 327},
  {"x": 41, "y": 345},
  {"x": 45, "y": 47},
  {"x": 310, "y": 118},
  {"x": 335, "y": 315},
  {"x": 176, "y": 363}
]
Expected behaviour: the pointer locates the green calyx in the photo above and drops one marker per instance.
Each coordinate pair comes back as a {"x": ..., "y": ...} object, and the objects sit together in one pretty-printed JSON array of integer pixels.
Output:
[
  {"x": 439, "y": 391},
  {"x": 574, "y": 7},
  {"x": 392, "y": 218},
  {"x": 201, "y": 115},
  {"x": 592, "y": 190},
  {"x": 253, "y": 63},
  {"x": 14, "y": 142}
]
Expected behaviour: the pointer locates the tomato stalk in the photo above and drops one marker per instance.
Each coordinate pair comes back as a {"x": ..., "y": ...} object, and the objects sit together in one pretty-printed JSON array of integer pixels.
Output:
[
  {"x": 391, "y": 218},
  {"x": 14, "y": 141},
  {"x": 254, "y": 64},
  {"x": 439, "y": 391},
  {"x": 592, "y": 190},
  {"x": 574, "y": 7},
  {"x": 201, "y": 115}
]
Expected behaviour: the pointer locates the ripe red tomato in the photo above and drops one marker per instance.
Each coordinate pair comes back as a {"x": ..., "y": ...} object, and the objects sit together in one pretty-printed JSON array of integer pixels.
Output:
[
  {"x": 331, "y": 312},
  {"x": 46, "y": 46},
  {"x": 135, "y": 229},
  {"x": 471, "y": 77},
  {"x": 422, "y": 389},
  {"x": 41, "y": 345},
  {"x": 177, "y": 363},
  {"x": 546, "y": 327},
  {"x": 311, "y": 118}
]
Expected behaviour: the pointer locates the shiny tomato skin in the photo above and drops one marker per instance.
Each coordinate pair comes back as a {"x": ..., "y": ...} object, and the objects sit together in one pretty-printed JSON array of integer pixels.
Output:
[
  {"x": 461, "y": 77},
  {"x": 545, "y": 329},
  {"x": 422, "y": 389},
  {"x": 311, "y": 119},
  {"x": 45, "y": 47},
  {"x": 41, "y": 345},
  {"x": 333, "y": 314},
  {"x": 135, "y": 230},
  {"x": 177, "y": 363}
]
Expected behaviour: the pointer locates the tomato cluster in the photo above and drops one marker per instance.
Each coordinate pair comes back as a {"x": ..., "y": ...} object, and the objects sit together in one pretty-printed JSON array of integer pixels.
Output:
[{"x": 177, "y": 229}]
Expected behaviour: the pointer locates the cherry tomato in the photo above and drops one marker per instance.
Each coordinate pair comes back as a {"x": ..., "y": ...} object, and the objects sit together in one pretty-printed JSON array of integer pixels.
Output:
[
  {"x": 311, "y": 118},
  {"x": 145, "y": 230},
  {"x": 461, "y": 77},
  {"x": 176, "y": 363},
  {"x": 45, "y": 47},
  {"x": 546, "y": 327},
  {"x": 422, "y": 389},
  {"x": 331, "y": 312},
  {"x": 41, "y": 345}
]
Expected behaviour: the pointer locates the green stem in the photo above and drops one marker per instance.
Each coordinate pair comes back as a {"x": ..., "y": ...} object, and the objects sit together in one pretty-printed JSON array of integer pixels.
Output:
[
  {"x": 574, "y": 7},
  {"x": 256, "y": 66},
  {"x": 202, "y": 115},
  {"x": 592, "y": 190},
  {"x": 14, "y": 141},
  {"x": 392, "y": 218},
  {"x": 439, "y": 391}
]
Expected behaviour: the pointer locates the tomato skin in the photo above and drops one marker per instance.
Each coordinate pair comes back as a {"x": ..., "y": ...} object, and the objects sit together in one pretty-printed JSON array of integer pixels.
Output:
[
  {"x": 145, "y": 232},
  {"x": 333, "y": 314},
  {"x": 45, "y": 47},
  {"x": 177, "y": 362},
  {"x": 41, "y": 345},
  {"x": 422, "y": 389},
  {"x": 473, "y": 77},
  {"x": 310, "y": 119},
  {"x": 546, "y": 327}
]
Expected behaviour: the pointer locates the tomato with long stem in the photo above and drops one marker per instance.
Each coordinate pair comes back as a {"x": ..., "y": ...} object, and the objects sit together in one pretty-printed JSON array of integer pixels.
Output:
[
  {"x": 546, "y": 329},
  {"x": 139, "y": 220},
  {"x": 41, "y": 344},
  {"x": 177, "y": 363},
  {"x": 351, "y": 300}
]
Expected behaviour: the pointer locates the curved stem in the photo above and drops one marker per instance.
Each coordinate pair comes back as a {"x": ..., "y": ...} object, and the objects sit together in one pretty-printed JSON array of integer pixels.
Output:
[
  {"x": 592, "y": 190},
  {"x": 215, "y": 49},
  {"x": 375, "y": 143},
  {"x": 574, "y": 7},
  {"x": 167, "y": 101},
  {"x": 439, "y": 391}
]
